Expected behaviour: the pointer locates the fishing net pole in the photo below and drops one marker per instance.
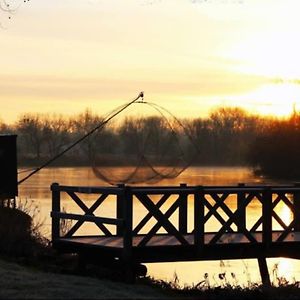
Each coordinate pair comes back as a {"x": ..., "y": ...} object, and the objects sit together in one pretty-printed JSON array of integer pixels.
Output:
[{"x": 109, "y": 117}]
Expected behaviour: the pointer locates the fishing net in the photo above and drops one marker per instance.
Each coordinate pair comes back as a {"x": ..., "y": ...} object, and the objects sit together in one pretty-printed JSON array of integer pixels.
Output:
[
  {"x": 139, "y": 142},
  {"x": 144, "y": 144}
]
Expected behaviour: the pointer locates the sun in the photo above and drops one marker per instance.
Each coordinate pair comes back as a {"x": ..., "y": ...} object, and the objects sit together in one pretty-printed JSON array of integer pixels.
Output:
[
  {"x": 275, "y": 57},
  {"x": 278, "y": 100}
]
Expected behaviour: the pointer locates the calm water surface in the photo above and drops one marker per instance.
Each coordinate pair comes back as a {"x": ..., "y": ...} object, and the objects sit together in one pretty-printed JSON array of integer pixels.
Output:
[{"x": 37, "y": 190}]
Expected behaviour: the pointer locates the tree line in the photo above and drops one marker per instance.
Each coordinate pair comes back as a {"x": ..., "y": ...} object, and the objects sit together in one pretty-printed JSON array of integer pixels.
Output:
[{"x": 228, "y": 136}]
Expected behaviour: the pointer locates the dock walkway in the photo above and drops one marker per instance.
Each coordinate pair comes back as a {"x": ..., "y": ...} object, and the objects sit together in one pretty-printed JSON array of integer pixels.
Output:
[{"x": 183, "y": 223}]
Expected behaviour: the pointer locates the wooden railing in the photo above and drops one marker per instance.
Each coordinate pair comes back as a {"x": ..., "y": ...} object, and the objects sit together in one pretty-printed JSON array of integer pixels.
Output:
[
  {"x": 88, "y": 212},
  {"x": 195, "y": 206}
]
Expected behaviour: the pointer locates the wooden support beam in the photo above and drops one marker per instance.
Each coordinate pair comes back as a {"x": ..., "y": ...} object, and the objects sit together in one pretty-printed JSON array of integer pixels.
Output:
[
  {"x": 148, "y": 216},
  {"x": 88, "y": 218},
  {"x": 264, "y": 272},
  {"x": 267, "y": 217},
  {"x": 183, "y": 210},
  {"x": 199, "y": 221},
  {"x": 296, "y": 202},
  {"x": 241, "y": 208},
  {"x": 55, "y": 232},
  {"x": 120, "y": 209},
  {"x": 127, "y": 233}
]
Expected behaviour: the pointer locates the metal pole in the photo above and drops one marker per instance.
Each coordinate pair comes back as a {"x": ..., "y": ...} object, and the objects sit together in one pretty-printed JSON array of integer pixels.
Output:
[{"x": 100, "y": 126}]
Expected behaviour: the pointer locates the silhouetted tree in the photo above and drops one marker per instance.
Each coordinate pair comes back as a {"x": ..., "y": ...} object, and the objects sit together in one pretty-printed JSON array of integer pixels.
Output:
[
  {"x": 276, "y": 151},
  {"x": 227, "y": 136},
  {"x": 232, "y": 131},
  {"x": 31, "y": 129},
  {"x": 55, "y": 130}
]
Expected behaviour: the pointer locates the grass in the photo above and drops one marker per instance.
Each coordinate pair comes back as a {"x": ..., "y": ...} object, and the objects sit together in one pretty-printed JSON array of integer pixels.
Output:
[
  {"x": 20, "y": 282},
  {"x": 283, "y": 291},
  {"x": 31, "y": 269},
  {"x": 27, "y": 282}
]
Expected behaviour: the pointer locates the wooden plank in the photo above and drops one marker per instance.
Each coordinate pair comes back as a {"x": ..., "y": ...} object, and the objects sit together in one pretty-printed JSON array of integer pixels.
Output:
[
  {"x": 183, "y": 210},
  {"x": 55, "y": 229},
  {"x": 286, "y": 232},
  {"x": 120, "y": 208},
  {"x": 88, "y": 189},
  {"x": 199, "y": 221},
  {"x": 127, "y": 234},
  {"x": 296, "y": 202},
  {"x": 267, "y": 216},
  {"x": 174, "y": 190},
  {"x": 220, "y": 204},
  {"x": 160, "y": 217},
  {"x": 256, "y": 225},
  {"x": 163, "y": 240},
  {"x": 85, "y": 209},
  {"x": 212, "y": 211},
  {"x": 233, "y": 190},
  {"x": 161, "y": 190},
  {"x": 159, "y": 224},
  {"x": 87, "y": 218},
  {"x": 226, "y": 226},
  {"x": 279, "y": 220},
  {"x": 264, "y": 272},
  {"x": 241, "y": 208},
  {"x": 90, "y": 211},
  {"x": 233, "y": 218},
  {"x": 148, "y": 216}
]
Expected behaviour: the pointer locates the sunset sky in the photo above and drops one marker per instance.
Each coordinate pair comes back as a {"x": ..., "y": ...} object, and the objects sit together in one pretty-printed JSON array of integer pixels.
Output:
[{"x": 63, "y": 56}]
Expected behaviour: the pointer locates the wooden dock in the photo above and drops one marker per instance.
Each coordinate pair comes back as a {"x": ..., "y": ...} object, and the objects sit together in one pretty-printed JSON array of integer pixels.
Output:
[{"x": 175, "y": 224}]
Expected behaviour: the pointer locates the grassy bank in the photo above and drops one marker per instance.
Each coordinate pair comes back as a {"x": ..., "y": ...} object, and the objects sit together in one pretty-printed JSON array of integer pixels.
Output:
[
  {"x": 24, "y": 282},
  {"x": 31, "y": 269},
  {"x": 20, "y": 282}
]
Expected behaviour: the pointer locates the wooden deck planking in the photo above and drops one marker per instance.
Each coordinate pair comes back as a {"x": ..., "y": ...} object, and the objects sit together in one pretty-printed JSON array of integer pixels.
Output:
[{"x": 167, "y": 240}]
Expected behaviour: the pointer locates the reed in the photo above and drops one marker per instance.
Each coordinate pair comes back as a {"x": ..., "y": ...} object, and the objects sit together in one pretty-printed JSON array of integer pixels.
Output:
[{"x": 226, "y": 285}]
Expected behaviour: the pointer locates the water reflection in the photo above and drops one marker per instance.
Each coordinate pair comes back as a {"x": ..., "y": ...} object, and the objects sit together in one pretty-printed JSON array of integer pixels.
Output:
[{"x": 37, "y": 189}]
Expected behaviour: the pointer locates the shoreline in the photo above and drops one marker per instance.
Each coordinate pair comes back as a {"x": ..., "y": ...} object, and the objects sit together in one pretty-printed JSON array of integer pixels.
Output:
[{"x": 21, "y": 281}]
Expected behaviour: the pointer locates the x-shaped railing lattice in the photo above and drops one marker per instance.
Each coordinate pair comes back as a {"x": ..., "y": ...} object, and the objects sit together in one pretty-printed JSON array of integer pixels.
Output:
[
  {"x": 233, "y": 217},
  {"x": 161, "y": 218},
  {"x": 281, "y": 196},
  {"x": 88, "y": 211}
]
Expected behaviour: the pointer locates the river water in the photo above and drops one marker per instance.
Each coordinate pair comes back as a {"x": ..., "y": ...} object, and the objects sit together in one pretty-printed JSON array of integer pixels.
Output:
[{"x": 36, "y": 193}]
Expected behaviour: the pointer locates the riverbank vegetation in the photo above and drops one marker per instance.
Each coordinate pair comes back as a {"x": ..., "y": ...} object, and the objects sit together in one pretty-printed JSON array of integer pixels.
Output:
[
  {"x": 228, "y": 136},
  {"x": 275, "y": 150}
]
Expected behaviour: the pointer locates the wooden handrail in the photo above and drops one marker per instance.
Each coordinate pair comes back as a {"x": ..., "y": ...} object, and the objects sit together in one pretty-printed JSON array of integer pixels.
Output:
[
  {"x": 209, "y": 202},
  {"x": 87, "y": 218},
  {"x": 87, "y": 190}
]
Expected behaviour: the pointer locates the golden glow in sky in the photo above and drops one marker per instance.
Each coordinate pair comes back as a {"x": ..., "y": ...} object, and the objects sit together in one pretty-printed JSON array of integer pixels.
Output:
[{"x": 62, "y": 56}]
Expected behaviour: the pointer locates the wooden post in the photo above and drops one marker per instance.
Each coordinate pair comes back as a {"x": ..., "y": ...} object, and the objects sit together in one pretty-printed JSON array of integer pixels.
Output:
[
  {"x": 199, "y": 219},
  {"x": 183, "y": 210},
  {"x": 127, "y": 236},
  {"x": 264, "y": 272},
  {"x": 120, "y": 209},
  {"x": 296, "y": 202},
  {"x": 267, "y": 217},
  {"x": 241, "y": 209},
  {"x": 266, "y": 235},
  {"x": 55, "y": 209}
]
